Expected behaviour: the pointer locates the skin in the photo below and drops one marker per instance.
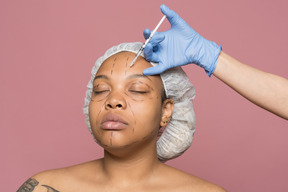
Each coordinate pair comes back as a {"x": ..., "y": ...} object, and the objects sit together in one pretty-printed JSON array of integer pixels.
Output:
[
  {"x": 266, "y": 90},
  {"x": 130, "y": 159}
]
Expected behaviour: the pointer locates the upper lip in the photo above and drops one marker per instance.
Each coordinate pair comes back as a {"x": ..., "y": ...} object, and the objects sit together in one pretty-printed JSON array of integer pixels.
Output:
[{"x": 113, "y": 117}]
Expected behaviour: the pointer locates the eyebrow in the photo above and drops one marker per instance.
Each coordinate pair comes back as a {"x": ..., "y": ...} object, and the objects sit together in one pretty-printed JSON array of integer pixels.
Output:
[
  {"x": 101, "y": 77},
  {"x": 139, "y": 76}
]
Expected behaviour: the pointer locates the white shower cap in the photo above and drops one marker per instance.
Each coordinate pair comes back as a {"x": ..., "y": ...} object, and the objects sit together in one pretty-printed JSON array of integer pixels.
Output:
[{"x": 178, "y": 134}]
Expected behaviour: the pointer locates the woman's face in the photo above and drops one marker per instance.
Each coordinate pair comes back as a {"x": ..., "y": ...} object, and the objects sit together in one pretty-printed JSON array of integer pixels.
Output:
[{"x": 126, "y": 106}]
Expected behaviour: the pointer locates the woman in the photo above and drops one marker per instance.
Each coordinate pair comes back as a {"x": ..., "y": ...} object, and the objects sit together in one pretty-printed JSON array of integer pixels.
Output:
[{"x": 126, "y": 112}]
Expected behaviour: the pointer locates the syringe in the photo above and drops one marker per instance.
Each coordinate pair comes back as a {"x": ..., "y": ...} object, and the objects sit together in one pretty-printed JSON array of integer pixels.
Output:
[{"x": 144, "y": 45}]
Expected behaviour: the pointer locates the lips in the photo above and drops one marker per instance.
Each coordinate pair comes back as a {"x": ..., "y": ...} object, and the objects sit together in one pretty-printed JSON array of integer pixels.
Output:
[{"x": 112, "y": 121}]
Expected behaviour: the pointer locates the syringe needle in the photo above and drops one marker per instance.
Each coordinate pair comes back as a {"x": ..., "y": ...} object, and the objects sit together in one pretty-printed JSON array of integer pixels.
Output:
[{"x": 144, "y": 45}]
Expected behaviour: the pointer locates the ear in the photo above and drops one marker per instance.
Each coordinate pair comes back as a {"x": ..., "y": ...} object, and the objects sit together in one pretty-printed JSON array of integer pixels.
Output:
[{"x": 167, "y": 111}]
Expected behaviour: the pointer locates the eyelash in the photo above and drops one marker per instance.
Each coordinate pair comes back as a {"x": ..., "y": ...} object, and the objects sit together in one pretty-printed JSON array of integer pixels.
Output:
[
  {"x": 133, "y": 91},
  {"x": 99, "y": 92},
  {"x": 140, "y": 92}
]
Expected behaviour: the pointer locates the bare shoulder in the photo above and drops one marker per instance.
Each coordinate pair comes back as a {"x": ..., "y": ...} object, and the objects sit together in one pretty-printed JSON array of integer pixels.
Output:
[
  {"x": 203, "y": 185},
  {"x": 36, "y": 184},
  {"x": 60, "y": 179},
  {"x": 190, "y": 182}
]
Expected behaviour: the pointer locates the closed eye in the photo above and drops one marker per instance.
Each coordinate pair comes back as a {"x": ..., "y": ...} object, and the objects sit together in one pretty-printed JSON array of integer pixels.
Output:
[
  {"x": 140, "y": 92},
  {"x": 99, "y": 92}
]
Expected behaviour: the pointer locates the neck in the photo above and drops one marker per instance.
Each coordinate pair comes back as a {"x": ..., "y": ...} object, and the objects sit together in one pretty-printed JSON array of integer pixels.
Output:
[{"x": 130, "y": 165}]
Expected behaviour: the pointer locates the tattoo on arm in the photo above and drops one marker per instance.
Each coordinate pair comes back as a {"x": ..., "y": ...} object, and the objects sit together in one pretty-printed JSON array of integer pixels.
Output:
[
  {"x": 28, "y": 186},
  {"x": 31, "y": 183},
  {"x": 50, "y": 189}
]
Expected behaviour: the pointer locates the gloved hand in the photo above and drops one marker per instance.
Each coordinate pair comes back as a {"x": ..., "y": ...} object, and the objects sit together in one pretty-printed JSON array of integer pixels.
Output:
[{"x": 178, "y": 46}]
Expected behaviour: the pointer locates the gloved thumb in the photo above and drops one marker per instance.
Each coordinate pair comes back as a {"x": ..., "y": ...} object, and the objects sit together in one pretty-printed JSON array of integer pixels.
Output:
[
  {"x": 171, "y": 15},
  {"x": 154, "y": 70}
]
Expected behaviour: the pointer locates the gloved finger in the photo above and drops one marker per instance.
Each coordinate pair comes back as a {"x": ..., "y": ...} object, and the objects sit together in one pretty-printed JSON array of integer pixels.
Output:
[
  {"x": 157, "y": 38},
  {"x": 172, "y": 16},
  {"x": 154, "y": 70},
  {"x": 149, "y": 53},
  {"x": 146, "y": 33},
  {"x": 155, "y": 48}
]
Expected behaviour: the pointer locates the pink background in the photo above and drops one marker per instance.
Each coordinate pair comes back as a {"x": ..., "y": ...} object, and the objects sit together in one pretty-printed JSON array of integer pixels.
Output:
[{"x": 48, "y": 48}]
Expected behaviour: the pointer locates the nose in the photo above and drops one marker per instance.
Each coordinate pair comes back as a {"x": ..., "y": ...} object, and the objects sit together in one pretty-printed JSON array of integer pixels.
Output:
[{"x": 115, "y": 101}]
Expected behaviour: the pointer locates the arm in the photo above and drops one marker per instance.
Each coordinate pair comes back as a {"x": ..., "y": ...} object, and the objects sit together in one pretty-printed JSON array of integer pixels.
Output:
[
  {"x": 181, "y": 45},
  {"x": 263, "y": 89},
  {"x": 34, "y": 184}
]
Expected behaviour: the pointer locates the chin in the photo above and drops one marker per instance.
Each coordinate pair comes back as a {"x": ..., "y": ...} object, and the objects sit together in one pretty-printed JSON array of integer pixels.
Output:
[
  {"x": 125, "y": 141},
  {"x": 114, "y": 140}
]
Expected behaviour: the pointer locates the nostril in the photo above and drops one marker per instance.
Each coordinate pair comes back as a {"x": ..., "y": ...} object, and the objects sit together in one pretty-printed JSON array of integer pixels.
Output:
[
  {"x": 119, "y": 105},
  {"x": 114, "y": 106}
]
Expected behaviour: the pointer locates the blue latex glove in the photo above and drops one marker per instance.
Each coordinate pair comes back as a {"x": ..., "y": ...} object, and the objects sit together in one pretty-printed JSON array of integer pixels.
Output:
[{"x": 178, "y": 46}]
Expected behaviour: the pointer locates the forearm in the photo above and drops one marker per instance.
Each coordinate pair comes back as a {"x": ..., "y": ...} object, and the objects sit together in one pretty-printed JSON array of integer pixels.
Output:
[{"x": 263, "y": 89}]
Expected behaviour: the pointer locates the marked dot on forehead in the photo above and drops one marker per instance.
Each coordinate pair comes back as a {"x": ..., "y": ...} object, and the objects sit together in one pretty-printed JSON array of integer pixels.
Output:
[
  {"x": 114, "y": 61},
  {"x": 127, "y": 61}
]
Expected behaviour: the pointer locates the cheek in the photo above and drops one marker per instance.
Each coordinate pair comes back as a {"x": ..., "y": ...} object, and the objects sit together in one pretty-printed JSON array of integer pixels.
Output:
[
  {"x": 147, "y": 112},
  {"x": 95, "y": 109}
]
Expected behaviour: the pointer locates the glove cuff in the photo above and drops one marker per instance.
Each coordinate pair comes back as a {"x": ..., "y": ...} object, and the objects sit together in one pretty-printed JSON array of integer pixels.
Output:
[{"x": 212, "y": 67}]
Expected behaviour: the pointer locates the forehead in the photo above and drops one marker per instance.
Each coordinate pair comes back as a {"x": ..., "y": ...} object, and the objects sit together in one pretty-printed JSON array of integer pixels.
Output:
[
  {"x": 121, "y": 61},
  {"x": 117, "y": 67}
]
